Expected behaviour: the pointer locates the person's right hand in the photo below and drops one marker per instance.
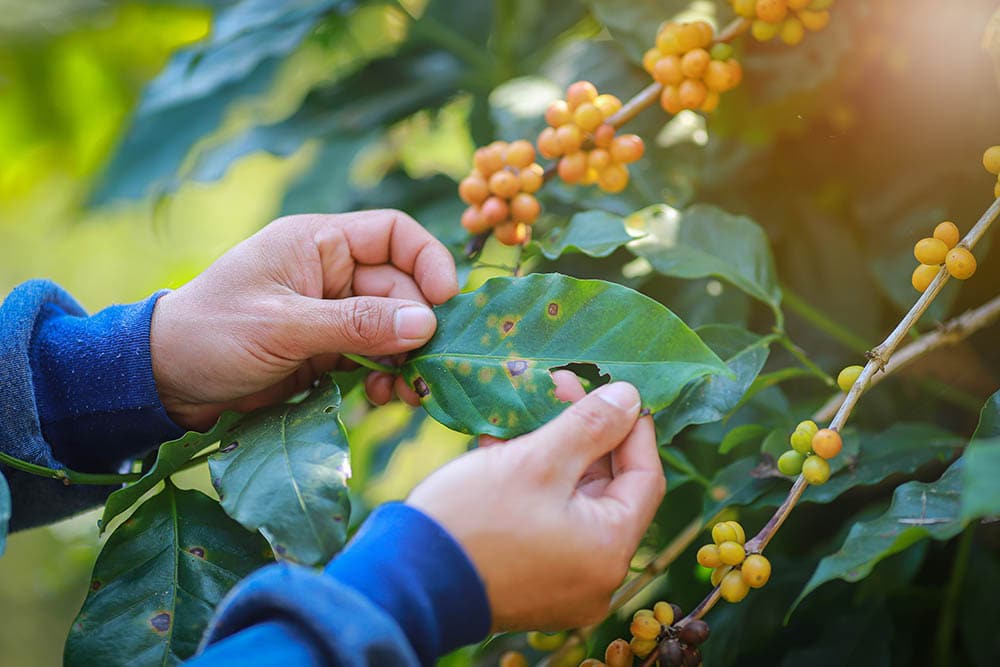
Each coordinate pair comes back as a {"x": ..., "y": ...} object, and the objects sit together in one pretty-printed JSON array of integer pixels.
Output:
[{"x": 551, "y": 519}]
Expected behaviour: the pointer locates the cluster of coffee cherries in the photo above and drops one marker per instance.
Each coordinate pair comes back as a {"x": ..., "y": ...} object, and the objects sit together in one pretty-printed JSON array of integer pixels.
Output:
[
  {"x": 694, "y": 72},
  {"x": 586, "y": 145},
  {"x": 660, "y": 629},
  {"x": 941, "y": 248},
  {"x": 500, "y": 192},
  {"x": 734, "y": 571},
  {"x": 991, "y": 160},
  {"x": 812, "y": 448},
  {"x": 787, "y": 19}
]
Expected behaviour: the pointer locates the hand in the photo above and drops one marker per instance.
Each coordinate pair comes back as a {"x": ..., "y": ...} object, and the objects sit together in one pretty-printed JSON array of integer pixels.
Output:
[
  {"x": 275, "y": 312},
  {"x": 551, "y": 519}
]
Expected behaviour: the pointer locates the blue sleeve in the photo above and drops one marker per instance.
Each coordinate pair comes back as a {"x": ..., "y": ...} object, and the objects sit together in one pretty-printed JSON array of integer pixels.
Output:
[
  {"x": 77, "y": 392},
  {"x": 402, "y": 593}
]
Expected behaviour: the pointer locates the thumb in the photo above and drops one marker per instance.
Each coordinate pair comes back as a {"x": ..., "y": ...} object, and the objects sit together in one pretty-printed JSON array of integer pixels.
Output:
[
  {"x": 587, "y": 430},
  {"x": 361, "y": 325}
]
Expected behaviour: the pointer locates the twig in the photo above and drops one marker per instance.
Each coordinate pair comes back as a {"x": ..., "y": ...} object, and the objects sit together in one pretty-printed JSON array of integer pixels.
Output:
[
  {"x": 67, "y": 476},
  {"x": 371, "y": 365}
]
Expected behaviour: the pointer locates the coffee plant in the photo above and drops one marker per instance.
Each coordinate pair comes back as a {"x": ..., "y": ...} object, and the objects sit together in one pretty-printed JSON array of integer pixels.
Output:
[{"x": 713, "y": 200}]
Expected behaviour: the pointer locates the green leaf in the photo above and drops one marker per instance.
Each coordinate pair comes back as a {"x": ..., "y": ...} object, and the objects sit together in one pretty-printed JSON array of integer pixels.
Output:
[
  {"x": 740, "y": 435},
  {"x": 486, "y": 370},
  {"x": 158, "y": 580},
  {"x": 705, "y": 241},
  {"x": 980, "y": 492},
  {"x": 4, "y": 511},
  {"x": 593, "y": 233},
  {"x": 918, "y": 511},
  {"x": 710, "y": 398},
  {"x": 634, "y": 24},
  {"x": 169, "y": 459},
  {"x": 284, "y": 472},
  {"x": 736, "y": 484}
]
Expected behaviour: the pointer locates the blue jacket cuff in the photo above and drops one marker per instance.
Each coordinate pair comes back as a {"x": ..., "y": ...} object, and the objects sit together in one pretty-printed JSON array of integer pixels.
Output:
[
  {"x": 407, "y": 564},
  {"x": 93, "y": 381}
]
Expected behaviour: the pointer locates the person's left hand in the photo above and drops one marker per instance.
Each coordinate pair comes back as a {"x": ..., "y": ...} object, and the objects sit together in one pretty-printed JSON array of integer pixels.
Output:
[{"x": 275, "y": 312}]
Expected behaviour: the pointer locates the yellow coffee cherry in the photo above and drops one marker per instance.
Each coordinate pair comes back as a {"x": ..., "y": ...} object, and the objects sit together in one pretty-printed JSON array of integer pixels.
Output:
[
  {"x": 708, "y": 556},
  {"x": 645, "y": 627},
  {"x": 513, "y": 659},
  {"x": 664, "y": 613},
  {"x": 961, "y": 263},
  {"x": 719, "y": 573},
  {"x": 930, "y": 251},
  {"x": 923, "y": 276},
  {"x": 741, "y": 536},
  {"x": 991, "y": 159},
  {"x": 723, "y": 532},
  {"x": 733, "y": 588},
  {"x": 948, "y": 232},
  {"x": 756, "y": 570},
  {"x": 848, "y": 377},
  {"x": 642, "y": 647},
  {"x": 546, "y": 641},
  {"x": 816, "y": 470},
  {"x": 731, "y": 553}
]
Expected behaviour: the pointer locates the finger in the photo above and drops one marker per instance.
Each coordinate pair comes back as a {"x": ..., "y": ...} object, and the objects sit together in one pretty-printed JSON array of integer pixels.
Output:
[
  {"x": 405, "y": 392},
  {"x": 638, "y": 485},
  {"x": 568, "y": 387},
  {"x": 489, "y": 441},
  {"x": 392, "y": 237},
  {"x": 596, "y": 478},
  {"x": 586, "y": 431},
  {"x": 366, "y": 325},
  {"x": 387, "y": 281},
  {"x": 378, "y": 387}
]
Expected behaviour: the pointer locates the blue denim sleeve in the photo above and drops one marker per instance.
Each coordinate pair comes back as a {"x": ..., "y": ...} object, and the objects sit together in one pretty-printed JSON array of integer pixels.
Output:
[
  {"x": 402, "y": 593},
  {"x": 76, "y": 392}
]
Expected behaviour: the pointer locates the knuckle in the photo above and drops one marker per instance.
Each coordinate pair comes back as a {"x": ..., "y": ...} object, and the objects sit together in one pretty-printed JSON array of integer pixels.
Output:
[
  {"x": 593, "y": 422},
  {"x": 364, "y": 321}
]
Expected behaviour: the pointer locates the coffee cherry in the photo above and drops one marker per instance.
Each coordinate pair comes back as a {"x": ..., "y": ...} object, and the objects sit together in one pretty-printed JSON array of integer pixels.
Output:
[
  {"x": 733, "y": 588},
  {"x": 721, "y": 51},
  {"x": 588, "y": 117},
  {"x": 650, "y": 58},
  {"x": 741, "y": 536},
  {"x": 558, "y": 114},
  {"x": 592, "y": 662},
  {"x": 668, "y": 71},
  {"x": 745, "y": 8},
  {"x": 692, "y": 93},
  {"x": 474, "y": 221},
  {"x": 642, "y": 612},
  {"x": 731, "y": 553},
  {"x": 495, "y": 210},
  {"x": 723, "y": 532},
  {"x": 798, "y": 5},
  {"x": 848, "y": 377},
  {"x": 513, "y": 659},
  {"x": 816, "y": 470},
  {"x": 571, "y": 657},
  {"x": 520, "y": 154},
  {"x": 763, "y": 31},
  {"x": 664, "y": 613},
  {"x": 814, "y": 21},
  {"x": 827, "y": 443},
  {"x": 573, "y": 167},
  {"x": 488, "y": 160},
  {"x": 692, "y": 657},
  {"x": 772, "y": 11},
  {"x": 645, "y": 627},
  {"x": 719, "y": 573},
  {"x": 694, "y": 63},
  {"x": 608, "y": 105},
  {"x": 930, "y": 251},
  {"x": 790, "y": 463},
  {"x": 525, "y": 208},
  {"x": 512, "y": 233},
  {"x": 671, "y": 654},
  {"x": 711, "y": 102},
  {"x": 473, "y": 190},
  {"x": 670, "y": 100},
  {"x": 642, "y": 647},
  {"x": 532, "y": 178},
  {"x": 808, "y": 426},
  {"x": 948, "y": 232},
  {"x": 604, "y": 136},
  {"x": 627, "y": 148},
  {"x": 548, "y": 144},
  {"x": 580, "y": 93},
  {"x": 991, "y": 159},
  {"x": 546, "y": 641},
  {"x": 721, "y": 76},
  {"x": 618, "y": 654},
  {"x": 801, "y": 440},
  {"x": 708, "y": 556},
  {"x": 923, "y": 276},
  {"x": 570, "y": 139},
  {"x": 694, "y": 632},
  {"x": 505, "y": 184},
  {"x": 961, "y": 263},
  {"x": 613, "y": 178},
  {"x": 756, "y": 570},
  {"x": 792, "y": 31}
]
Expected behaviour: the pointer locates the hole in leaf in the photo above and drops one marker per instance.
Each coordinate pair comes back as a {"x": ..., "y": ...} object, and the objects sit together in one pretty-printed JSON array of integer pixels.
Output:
[{"x": 589, "y": 374}]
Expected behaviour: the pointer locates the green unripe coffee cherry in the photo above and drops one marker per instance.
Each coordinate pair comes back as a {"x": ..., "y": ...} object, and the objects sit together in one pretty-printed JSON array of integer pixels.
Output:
[
  {"x": 848, "y": 377},
  {"x": 816, "y": 470},
  {"x": 790, "y": 463},
  {"x": 545, "y": 641},
  {"x": 721, "y": 51}
]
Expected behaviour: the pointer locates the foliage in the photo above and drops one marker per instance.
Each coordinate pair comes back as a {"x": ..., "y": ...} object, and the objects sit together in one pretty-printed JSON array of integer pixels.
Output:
[{"x": 757, "y": 250}]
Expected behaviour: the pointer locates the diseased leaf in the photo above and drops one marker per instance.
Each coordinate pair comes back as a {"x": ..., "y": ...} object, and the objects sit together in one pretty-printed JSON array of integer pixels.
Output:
[
  {"x": 169, "y": 459},
  {"x": 593, "y": 233},
  {"x": 486, "y": 370},
  {"x": 4, "y": 512},
  {"x": 710, "y": 398},
  {"x": 284, "y": 470},
  {"x": 918, "y": 511},
  {"x": 158, "y": 580},
  {"x": 705, "y": 241}
]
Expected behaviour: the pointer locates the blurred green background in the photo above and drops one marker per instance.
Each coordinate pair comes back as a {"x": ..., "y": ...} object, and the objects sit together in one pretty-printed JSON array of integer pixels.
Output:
[{"x": 843, "y": 150}]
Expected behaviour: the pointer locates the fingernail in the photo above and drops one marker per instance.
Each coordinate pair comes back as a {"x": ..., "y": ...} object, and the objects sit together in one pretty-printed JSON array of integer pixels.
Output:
[
  {"x": 622, "y": 395},
  {"x": 415, "y": 323}
]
